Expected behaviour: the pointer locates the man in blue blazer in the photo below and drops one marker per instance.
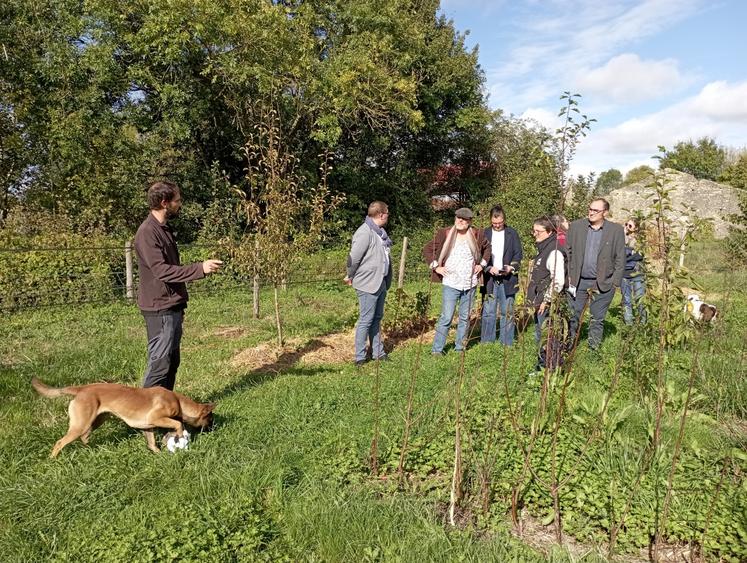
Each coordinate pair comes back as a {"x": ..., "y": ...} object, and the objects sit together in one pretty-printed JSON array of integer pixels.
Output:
[{"x": 500, "y": 280}]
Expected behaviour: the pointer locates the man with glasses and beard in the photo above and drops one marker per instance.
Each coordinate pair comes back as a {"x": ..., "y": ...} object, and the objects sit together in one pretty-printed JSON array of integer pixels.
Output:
[
  {"x": 596, "y": 258},
  {"x": 162, "y": 296}
]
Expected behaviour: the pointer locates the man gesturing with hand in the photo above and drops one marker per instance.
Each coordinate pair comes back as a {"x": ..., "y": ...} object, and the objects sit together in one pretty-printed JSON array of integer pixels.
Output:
[{"x": 162, "y": 295}]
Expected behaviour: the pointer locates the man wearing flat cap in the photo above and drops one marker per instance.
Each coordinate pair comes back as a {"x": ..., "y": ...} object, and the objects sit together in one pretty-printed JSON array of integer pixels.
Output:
[{"x": 457, "y": 256}]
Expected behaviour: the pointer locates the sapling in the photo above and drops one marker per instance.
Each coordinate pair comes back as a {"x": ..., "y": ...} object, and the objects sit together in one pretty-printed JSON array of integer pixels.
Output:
[{"x": 285, "y": 217}]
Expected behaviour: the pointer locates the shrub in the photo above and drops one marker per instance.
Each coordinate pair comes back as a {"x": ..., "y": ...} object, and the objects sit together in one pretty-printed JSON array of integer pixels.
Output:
[{"x": 44, "y": 262}]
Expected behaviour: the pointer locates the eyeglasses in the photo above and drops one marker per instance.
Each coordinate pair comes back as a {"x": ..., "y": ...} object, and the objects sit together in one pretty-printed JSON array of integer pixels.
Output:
[
  {"x": 538, "y": 231},
  {"x": 595, "y": 211}
]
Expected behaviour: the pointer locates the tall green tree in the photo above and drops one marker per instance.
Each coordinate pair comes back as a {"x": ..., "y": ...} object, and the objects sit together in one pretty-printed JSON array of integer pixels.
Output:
[
  {"x": 638, "y": 174},
  {"x": 704, "y": 159},
  {"x": 582, "y": 189},
  {"x": 608, "y": 181},
  {"x": 736, "y": 243},
  {"x": 106, "y": 96},
  {"x": 526, "y": 181},
  {"x": 736, "y": 173}
]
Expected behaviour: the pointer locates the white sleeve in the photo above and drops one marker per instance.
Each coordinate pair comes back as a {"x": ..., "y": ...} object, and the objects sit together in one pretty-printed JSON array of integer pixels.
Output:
[{"x": 556, "y": 265}]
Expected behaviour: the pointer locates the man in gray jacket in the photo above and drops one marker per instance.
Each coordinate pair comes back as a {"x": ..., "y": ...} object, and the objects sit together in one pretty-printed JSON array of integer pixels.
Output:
[
  {"x": 369, "y": 271},
  {"x": 596, "y": 258}
]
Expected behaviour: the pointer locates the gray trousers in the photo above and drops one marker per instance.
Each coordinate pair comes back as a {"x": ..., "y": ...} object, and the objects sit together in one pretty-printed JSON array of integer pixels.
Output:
[
  {"x": 600, "y": 302},
  {"x": 371, "y": 308},
  {"x": 164, "y": 337}
]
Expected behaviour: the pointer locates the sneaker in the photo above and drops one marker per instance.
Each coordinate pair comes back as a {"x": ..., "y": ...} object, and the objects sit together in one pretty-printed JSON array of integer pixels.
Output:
[
  {"x": 360, "y": 363},
  {"x": 437, "y": 354},
  {"x": 384, "y": 358}
]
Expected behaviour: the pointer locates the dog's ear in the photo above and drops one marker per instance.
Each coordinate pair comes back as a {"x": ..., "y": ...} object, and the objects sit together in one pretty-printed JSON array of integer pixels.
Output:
[{"x": 209, "y": 407}]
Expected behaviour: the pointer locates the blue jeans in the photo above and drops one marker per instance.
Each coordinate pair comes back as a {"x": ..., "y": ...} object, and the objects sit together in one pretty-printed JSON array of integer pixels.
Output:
[
  {"x": 633, "y": 290},
  {"x": 489, "y": 313},
  {"x": 371, "y": 311},
  {"x": 450, "y": 296}
]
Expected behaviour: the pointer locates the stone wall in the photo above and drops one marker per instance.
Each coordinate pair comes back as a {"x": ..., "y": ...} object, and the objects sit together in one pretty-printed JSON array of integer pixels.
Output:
[{"x": 690, "y": 197}]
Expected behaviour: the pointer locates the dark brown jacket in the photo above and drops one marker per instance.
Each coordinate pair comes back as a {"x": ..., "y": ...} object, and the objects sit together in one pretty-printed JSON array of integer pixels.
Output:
[
  {"x": 162, "y": 278},
  {"x": 432, "y": 250}
]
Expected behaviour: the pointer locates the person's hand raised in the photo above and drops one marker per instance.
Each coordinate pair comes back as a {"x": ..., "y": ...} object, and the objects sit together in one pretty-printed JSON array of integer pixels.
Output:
[{"x": 210, "y": 266}]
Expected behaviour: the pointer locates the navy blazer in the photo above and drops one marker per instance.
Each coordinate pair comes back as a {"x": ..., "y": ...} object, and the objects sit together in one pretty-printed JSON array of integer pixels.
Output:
[{"x": 512, "y": 256}]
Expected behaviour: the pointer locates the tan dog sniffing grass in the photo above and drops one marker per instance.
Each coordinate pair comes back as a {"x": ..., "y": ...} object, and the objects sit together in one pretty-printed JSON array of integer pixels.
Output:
[{"x": 144, "y": 409}]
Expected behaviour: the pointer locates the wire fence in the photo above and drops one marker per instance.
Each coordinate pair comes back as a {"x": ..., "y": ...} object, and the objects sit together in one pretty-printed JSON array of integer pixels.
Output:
[{"x": 32, "y": 278}]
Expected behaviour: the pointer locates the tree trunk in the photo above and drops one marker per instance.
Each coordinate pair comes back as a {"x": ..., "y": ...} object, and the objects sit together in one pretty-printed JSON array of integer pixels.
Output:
[{"x": 277, "y": 317}]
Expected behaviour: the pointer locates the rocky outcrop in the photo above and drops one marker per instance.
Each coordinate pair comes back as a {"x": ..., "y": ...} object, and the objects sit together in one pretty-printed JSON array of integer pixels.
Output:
[{"x": 690, "y": 198}]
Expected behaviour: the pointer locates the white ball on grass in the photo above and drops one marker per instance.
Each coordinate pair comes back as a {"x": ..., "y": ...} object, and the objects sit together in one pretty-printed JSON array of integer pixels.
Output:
[{"x": 174, "y": 443}]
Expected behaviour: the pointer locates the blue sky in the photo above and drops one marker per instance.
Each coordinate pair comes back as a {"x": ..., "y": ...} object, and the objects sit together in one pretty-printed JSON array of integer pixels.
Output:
[{"x": 652, "y": 72}]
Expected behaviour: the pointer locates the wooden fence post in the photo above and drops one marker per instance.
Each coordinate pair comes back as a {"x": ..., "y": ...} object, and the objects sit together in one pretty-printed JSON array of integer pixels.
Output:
[
  {"x": 401, "y": 278},
  {"x": 255, "y": 297},
  {"x": 255, "y": 288},
  {"x": 129, "y": 286}
]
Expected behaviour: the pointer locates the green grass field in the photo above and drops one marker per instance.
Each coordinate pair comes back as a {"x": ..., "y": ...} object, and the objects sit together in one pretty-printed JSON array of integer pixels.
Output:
[{"x": 285, "y": 474}]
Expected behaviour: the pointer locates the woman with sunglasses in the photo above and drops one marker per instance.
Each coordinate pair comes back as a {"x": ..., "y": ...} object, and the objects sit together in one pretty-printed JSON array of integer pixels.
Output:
[{"x": 633, "y": 284}]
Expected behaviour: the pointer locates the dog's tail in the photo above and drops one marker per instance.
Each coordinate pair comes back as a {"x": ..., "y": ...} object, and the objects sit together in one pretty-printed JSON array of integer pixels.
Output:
[{"x": 48, "y": 391}]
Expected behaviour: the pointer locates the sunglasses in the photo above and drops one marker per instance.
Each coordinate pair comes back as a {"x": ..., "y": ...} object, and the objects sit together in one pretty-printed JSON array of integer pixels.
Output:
[{"x": 595, "y": 211}]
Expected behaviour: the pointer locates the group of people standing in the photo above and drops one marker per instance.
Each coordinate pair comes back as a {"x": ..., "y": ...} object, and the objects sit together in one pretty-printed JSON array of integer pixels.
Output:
[{"x": 586, "y": 260}]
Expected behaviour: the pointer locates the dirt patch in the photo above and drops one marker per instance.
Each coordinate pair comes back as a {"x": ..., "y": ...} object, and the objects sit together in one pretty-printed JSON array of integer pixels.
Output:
[
  {"x": 229, "y": 331},
  {"x": 334, "y": 349},
  {"x": 542, "y": 538},
  {"x": 267, "y": 356},
  {"x": 330, "y": 349}
]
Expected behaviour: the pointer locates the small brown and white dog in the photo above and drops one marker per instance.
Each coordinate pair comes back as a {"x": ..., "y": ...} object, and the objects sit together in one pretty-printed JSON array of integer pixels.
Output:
[
  {"x": 699, "y": 310},
  {"x": 144, "y": 409}
]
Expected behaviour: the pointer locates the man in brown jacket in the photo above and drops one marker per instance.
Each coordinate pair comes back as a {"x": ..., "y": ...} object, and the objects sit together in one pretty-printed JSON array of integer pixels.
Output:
[
  {"x": 457, "y": 257},
  {"x": 162, "y": 296}
]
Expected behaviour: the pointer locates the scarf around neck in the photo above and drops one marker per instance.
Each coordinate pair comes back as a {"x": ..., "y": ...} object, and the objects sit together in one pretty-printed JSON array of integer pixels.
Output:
[
  {"x": 451, "y": 239},
  {"x": 379, "y": 231}
]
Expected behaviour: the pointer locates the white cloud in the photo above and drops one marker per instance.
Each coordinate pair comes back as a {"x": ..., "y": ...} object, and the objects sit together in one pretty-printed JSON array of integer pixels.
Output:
[
  {"x": 544, "y": 117},
  {"x": 719, "y": 100},
  {"x": 718, "y": 111},
  {"x": 628, "y": 79},
  {"x": 582, "y": 35}
]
